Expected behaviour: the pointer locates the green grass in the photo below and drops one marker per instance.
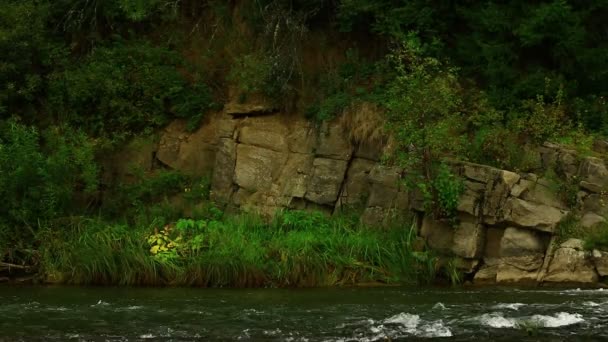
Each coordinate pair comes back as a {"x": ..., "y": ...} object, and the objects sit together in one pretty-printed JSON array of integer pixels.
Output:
[
  {"x": 295, "y": 249},
  {"x": 597, "y": 238}
]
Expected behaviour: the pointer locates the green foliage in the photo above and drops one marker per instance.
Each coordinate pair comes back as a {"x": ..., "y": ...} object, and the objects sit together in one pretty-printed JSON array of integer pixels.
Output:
[
  {"x": 127, "y": 88},
  {"x": 356, "y": 79},
  {"x": 569, "y": 227},
  {"x": 448, "y": 188},
  {"x": 423, "y": 128},
  {"x": 508, "y": 48},
  {"x": 292, "y": 250},
  {"x": 26, "y": 53},
  {"x": 597, "y": 238},
  {"x": 40, "y": 176}
]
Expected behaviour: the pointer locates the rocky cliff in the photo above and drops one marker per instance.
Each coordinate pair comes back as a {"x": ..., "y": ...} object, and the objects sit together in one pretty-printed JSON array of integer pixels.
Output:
[{"x": 506, "y": 224}]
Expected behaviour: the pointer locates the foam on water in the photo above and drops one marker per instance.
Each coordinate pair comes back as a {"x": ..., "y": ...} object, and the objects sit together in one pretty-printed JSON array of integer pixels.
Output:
[
  {"x": 439, "y": 306},
  {"x": 405, "y": 324},
  {"x": 592, "y": 304},
  {"x": 147, "y": 336},
  {"x": 405, "y": 319},
  {"x": 100, "y": 303},
  {"x": 558, "y": 320},
  {"x": 497, "y": 320},
  {"x": 510, "y": 306},
  {"x": 435, "y": 329}
]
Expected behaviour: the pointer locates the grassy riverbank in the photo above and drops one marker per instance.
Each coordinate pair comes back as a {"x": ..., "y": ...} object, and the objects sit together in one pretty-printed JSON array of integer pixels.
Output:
[{"x": 294, "y": 249}]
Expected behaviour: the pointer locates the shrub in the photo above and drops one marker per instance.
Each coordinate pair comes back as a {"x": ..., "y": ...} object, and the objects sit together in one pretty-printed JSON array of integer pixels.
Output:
[
  {"x": 127, "y": 88},
  {"x": 41, "y": 176}
]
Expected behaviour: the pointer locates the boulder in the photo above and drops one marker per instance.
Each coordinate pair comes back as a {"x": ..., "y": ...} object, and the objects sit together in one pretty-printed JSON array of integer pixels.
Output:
[
  {"x": 469, "y": 202},
  {"x": 439, "y": 235},
  {"x": 543, "y": 193},
  {"x": 256, "y": 168},
  {"x": 570, "y": 264},
  {"x": 519, "y": 242},
  {"x": 590, "y": 220},
  {"x": 223, "y": 171},
  {"x": 531, "y": 215},
  {"x": 486, "y": 275},
  {"x": 568, "y": 163},
  {"x": 519, "y": 269},
  {"x": 593, "y": 174},
  {"x": 333, "y": 143},
  {"x": 600, "y": 260},
  {"x": 326, "y": 181},
  {"x": 468, "y": 240},
  {"x": 597, "y": 204},
  {"x": 466, "y": 265}
]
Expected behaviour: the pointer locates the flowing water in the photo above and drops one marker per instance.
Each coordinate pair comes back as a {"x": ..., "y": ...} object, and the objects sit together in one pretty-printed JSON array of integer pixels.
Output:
[{"x": 360, "y": 314}]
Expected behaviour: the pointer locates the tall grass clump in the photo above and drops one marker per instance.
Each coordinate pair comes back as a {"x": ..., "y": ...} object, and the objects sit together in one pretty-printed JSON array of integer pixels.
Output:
[{"x": 294, "y": 249}]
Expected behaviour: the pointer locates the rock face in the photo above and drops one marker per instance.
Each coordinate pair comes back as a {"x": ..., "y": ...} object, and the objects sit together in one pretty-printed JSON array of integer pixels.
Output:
[
  {"x": 571, "y": 264},
  {"x": 262, "y": 160}
]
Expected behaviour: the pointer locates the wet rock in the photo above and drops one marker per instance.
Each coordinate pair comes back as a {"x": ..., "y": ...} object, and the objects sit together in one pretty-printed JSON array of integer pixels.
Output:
[
  {"x": 486, "y": 275},
  {"x": 600, "y": 260},
  {"x": 571, "y": 264},
  {"x": 519, "y": 269}
]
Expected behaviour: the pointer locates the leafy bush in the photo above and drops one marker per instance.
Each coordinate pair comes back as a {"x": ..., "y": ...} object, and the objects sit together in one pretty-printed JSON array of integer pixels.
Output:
[
  {"x": 41, "y": 175},
  {"x": 127, "y": 88},
  {"x": 353, "y": 80},
  {"x": 27, "y": 52},
  {"x": 448, "y": 188}
]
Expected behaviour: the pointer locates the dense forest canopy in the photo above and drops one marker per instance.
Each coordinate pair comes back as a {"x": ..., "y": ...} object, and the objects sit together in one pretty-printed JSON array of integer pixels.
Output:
[{"x": 78, "y": 78}]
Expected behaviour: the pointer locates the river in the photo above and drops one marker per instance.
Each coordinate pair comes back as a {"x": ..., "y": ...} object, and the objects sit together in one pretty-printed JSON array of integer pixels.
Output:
[{"x": 351, "y": 314}]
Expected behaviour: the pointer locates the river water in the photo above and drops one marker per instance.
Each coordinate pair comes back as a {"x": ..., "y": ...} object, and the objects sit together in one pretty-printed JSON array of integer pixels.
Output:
[{"x": 357, "y": 314}]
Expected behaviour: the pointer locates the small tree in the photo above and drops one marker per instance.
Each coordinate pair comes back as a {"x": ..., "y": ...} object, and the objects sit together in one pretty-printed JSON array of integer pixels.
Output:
[{"x": 423, "y": 101}]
